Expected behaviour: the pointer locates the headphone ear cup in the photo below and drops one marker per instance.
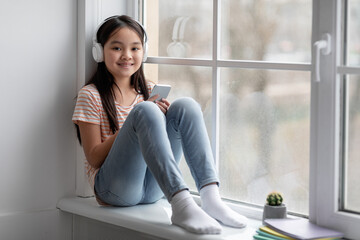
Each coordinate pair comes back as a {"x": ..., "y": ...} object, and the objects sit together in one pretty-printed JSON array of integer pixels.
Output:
[
  {"x": 177, "y": 49},
  {"x": 145, "y": 51},
  {"x": 98, "y": 53}
]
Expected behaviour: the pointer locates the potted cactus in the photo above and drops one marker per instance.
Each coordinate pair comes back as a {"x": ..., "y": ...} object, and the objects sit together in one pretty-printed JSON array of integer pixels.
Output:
[{"x": 274, "y": 207}]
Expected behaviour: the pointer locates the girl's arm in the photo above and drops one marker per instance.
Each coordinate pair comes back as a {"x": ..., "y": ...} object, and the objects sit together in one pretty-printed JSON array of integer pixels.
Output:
[{"x": 95, "y": 150}]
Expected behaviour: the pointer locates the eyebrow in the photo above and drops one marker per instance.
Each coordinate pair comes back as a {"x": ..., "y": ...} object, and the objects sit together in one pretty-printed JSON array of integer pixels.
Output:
[{"x": 119, "y": 42}]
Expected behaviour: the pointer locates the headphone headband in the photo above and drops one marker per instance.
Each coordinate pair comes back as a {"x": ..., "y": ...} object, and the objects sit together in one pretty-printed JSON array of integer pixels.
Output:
[
  {"x": 98, "y": 50},
  {"x": 178, "y": 47}
]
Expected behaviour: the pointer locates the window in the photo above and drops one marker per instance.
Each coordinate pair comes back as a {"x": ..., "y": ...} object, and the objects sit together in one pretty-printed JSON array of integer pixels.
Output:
[
  {"x": 351, "y": 115},
  {"x": 350, "y": 158},
  {"x": 334, "y": 165},
  {"x": 248, "y": 64},
  {"x": 251, "y": 65}
]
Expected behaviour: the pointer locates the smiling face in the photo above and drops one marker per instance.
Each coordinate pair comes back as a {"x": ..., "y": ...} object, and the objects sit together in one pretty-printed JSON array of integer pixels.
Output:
[{"x": 123, "y": 53}]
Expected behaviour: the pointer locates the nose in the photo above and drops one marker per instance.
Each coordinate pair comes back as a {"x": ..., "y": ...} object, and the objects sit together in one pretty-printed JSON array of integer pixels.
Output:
[{"x": 126, "y": 54}]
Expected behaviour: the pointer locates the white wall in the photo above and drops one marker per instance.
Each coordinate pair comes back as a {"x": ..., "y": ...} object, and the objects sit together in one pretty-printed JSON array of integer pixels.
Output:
[{"x": 37, "y": 146}]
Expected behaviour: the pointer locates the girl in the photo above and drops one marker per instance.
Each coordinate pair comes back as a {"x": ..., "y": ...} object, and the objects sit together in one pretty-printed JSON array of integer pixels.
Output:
[{"x": 133, "y": 145}]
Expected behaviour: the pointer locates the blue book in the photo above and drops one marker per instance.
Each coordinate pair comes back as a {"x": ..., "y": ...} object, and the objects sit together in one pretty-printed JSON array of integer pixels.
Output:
[{"x": 258, "y": 237}]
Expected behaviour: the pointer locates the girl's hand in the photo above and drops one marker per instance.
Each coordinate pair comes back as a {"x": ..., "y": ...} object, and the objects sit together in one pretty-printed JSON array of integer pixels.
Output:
[{"x": 163, "y": 104}]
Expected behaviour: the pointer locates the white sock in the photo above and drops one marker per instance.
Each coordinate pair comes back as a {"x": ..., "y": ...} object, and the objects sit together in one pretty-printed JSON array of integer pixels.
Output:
[
  {"x": 212, "y": 204},
  {"x": 187, "y": 214}
]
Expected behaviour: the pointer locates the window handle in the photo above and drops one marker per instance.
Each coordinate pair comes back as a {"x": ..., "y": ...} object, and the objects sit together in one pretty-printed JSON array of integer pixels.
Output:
[{"x": 324, "y": 47}]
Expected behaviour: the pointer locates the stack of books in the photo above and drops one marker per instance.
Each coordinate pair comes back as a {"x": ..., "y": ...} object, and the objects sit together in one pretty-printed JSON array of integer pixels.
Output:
[{"x": 293, "y": 229}]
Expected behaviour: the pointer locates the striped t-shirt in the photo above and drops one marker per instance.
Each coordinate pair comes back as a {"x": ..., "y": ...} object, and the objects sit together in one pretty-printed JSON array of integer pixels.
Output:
[{"x": 89, "y": 109}]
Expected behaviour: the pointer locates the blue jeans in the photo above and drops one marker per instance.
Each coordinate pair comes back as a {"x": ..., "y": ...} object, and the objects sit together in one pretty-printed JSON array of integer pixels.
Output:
[{"x": 142, "y": 164}]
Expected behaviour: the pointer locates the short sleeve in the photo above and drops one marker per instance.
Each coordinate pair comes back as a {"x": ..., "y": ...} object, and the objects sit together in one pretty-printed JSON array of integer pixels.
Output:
[
  {"x": 88, "y": 107},
  {"x": 150, "y": 86}
]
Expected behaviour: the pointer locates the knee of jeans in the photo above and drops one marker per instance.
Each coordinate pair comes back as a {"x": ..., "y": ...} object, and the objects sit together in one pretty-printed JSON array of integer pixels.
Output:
[
  {"x": 188, "y": 104},
  {"x": 145, "y": 105},
  {"x": 149, "y": 111}
]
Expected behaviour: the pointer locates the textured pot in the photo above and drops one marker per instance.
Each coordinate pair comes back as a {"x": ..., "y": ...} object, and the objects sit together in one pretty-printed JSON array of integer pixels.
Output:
[{"x": 274, "y": 211}]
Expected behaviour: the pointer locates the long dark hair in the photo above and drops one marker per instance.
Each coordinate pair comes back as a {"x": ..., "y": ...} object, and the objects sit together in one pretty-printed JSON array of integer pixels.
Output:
[{"x": 104, "y": 80}]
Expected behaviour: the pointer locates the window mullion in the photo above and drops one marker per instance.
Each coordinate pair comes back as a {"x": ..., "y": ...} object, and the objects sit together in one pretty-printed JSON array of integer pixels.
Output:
[
  {"x": 248, "y": 64},
  {"x": 215, "y": 132},
  {"x": 348, "y": 70},
  {"x": 180, "y": 61},
  {"x": 264, "y": 65}
]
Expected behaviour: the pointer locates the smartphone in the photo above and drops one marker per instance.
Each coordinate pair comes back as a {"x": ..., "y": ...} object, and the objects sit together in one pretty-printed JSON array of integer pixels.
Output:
[{"x": 161, "y": 89}]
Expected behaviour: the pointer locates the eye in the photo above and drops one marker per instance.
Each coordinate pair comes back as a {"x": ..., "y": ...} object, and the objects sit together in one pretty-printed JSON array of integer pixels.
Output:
[
  {"x": 116, "y": 48},
  {"x": 136, "y": 49}
]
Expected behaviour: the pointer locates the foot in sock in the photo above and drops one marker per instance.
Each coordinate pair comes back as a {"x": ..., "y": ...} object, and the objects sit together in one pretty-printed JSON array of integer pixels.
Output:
[
  {"x": 188, "y": 215},
  {"x": 212, "y": 204}
]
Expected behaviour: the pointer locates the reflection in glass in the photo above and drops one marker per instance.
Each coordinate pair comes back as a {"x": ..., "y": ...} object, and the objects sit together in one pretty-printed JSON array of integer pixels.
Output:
[
  {"x": 266, "y": 30},
  {"x": 352, "y": 138},
  {"x": 264, "y": 136},
  {"x": 353, "y": 33},
  {"x": 185, "y": 81},
  {"x": 181, "y": 29}
]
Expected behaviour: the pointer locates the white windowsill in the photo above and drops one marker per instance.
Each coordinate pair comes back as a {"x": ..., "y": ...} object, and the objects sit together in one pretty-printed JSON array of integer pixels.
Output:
[{"x": 151, "y": 219}]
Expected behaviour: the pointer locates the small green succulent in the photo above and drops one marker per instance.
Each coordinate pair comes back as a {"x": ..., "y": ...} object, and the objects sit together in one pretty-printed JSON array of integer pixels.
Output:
[{"x": 274, "y": 199}]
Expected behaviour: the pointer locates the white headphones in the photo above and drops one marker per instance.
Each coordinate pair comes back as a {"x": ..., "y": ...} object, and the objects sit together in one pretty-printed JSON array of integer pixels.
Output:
[
  {"x": 178, "y": 47},
  {"x": 98, "y": 50}
]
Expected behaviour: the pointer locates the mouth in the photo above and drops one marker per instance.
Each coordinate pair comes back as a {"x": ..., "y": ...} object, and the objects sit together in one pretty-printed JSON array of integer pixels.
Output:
[{"x": 125, "y": 65}]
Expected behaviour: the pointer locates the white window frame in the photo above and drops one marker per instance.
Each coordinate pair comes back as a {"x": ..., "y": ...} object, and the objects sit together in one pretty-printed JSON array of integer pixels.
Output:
[
  {"x": 325, "y": 143},
  {"x": 325, "y": 99}
]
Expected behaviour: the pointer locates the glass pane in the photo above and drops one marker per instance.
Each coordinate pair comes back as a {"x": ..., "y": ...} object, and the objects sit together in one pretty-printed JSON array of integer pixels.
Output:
[
  {"x": 353, "y": 36},
  {"x": 185, "y": 81},
  {"x": 264, "y": 136},
  {"x": 352, "y": 165},
  {"x": 266, "y": 30},
  {"x": 179, "y": 28}
]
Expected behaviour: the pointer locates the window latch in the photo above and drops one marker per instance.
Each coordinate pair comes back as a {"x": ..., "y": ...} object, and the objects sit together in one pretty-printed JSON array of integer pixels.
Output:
[{"x": 323, "y": 47}]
